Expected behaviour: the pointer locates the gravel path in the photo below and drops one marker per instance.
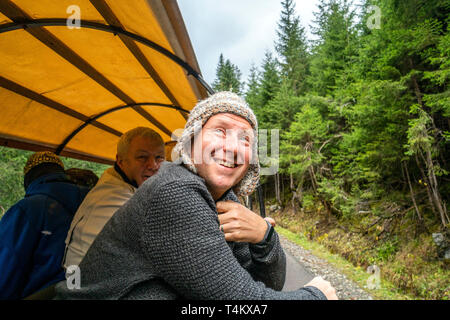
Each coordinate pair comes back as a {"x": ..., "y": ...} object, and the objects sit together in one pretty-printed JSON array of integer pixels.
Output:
[{"x": 346, "y": 289}]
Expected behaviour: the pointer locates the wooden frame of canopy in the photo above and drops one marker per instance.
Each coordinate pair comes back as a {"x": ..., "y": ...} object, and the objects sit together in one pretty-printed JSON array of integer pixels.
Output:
[{"x": 163, "y": 97}]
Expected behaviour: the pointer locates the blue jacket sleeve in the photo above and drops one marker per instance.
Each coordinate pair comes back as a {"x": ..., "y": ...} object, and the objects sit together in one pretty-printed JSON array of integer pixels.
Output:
[{"x": 17, "y": 238}]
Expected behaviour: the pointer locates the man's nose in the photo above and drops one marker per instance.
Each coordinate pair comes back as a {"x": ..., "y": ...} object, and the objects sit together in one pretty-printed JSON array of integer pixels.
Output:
[
  {"x": 231, "y": 144},
  {"x": 152, "y": 164}
]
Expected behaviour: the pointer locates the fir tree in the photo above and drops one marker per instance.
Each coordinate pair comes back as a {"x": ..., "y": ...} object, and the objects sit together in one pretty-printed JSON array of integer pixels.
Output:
[
  {"x": 228, "y": 77},
  {"x": 292, "y": 48},
  {"x": 252, "y": 95},
  {"x": 270, "y": 78},
  {"x": 334, "y": 50}
]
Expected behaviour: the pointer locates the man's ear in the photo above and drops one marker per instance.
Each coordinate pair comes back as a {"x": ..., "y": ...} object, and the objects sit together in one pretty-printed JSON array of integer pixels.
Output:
[{"x": 119, "y": 161}]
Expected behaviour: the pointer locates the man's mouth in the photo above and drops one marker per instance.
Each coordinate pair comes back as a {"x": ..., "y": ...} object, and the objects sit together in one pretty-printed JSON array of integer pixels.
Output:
[{"x": 227, "y": 164}]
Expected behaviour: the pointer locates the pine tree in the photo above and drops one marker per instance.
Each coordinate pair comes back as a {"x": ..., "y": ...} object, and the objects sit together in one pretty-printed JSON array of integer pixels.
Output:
[
  {"x": 252, "y": 94},
  {"x": 228, "y": 77},
  {"x": 270, "y": 78},
  {"x": 334, "y": 50},
  {"x": 269, "y": 84},
  {"x": 292, "y": 48}
]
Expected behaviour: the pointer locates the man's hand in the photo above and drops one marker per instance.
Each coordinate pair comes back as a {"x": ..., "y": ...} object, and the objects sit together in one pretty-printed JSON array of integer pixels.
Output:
[
  {"x": 241, "y": 224},
  {"x": 323, "y": 286}
]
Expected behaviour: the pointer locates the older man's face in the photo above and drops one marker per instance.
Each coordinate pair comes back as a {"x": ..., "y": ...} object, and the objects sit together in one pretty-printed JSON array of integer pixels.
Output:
[
  {"x": 222, "y": 153},
  {"x": 142, "y": 160}
]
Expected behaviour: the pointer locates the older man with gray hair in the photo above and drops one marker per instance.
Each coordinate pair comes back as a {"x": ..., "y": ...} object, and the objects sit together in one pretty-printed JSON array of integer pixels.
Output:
[{"x": 140, "y": 152}]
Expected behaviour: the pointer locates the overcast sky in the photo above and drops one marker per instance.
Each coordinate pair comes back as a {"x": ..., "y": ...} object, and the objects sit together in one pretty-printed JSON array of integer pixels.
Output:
[{"x": 240, "y": 29}]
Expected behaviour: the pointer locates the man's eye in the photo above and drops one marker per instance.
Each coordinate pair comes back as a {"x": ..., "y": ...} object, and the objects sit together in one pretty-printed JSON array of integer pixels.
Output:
[
  {"x": 245, "y": 138},
  {"x": 219, "y": 131}
]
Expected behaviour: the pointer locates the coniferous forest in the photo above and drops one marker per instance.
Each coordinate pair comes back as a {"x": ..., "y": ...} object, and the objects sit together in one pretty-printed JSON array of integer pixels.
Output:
[{"x": 363, "y": 111}]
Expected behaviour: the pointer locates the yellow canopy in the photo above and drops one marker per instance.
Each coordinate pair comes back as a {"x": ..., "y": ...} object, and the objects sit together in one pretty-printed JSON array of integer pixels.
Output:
[{"x": 76, "y": 74}]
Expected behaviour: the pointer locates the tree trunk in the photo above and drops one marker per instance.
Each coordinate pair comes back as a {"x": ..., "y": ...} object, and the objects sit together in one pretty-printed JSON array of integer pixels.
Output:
[
  {"x": 297, "y": 194},
  {"x": 277, "y": 188},
  {"x": 291, "y": 182},
  {"x": 313, "y": 179},
  {"x": 429, "y": 160},
  {"x": 427, "y": 186},
  {"x": 405, "y": 167},
  {"x": 435, "y": 191}
]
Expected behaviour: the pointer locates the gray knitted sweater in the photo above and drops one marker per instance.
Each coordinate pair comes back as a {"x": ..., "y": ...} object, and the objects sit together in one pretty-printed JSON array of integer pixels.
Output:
[{"x": 165, "y": 243}]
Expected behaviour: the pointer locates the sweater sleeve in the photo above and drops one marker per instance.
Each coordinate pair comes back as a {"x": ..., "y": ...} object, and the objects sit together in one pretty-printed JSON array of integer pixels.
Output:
[
  {"x": 265, "y": 262},
  {"x": 181, "y": 238}
]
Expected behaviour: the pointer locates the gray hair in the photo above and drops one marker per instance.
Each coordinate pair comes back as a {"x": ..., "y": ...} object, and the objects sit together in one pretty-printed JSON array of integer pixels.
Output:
[{"x": 127, "y": 137}]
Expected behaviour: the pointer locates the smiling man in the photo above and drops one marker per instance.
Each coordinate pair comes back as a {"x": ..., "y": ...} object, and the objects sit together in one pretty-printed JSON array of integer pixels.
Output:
[
  {"x": 222, "y": 150},
  {"x": 140, "y": 152},
  {"x": 184, "y": 234}
]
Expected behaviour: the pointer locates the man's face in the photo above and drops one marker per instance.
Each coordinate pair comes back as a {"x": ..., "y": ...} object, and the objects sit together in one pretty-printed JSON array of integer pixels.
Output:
[
  {"x": 142, "y": 160},
  {"x": 222, "y": 152}
]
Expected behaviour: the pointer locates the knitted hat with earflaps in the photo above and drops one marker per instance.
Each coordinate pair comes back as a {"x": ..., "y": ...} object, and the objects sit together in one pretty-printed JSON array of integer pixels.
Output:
[{"x": 221, "y": 102}]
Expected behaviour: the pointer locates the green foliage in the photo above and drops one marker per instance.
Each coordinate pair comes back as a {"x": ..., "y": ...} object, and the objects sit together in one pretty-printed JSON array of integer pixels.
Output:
[
  {"x": 12, "y": 162},
  {"x": 270, "y": 79},
  {"x": 228, "y": 77},
  {"x": 440, "y": 77},
  {"x": 252, "y": 94},
  {"x": 364, "y": 118},
  {"x": 387, "y": 250},
  {"x": 335, "y": 49},
  {"x": 301, "y": 143},
  {"x": 292, "y": 48},
  {"x": 418, "y": 138},
  {"x": 97, "y": 168}
]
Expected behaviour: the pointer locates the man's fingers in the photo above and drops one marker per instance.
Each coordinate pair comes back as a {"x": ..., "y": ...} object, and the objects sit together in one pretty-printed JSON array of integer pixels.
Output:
[
  {"x": 324, "y": 286},
  {"x": 226, "y": 217},
  {"x": 229, "y": 230},
  {"x": 224, "y": 206},
  {"x": 228, "y": 227},
  {"x": 271, "y": 221},
  {"x": 231, "y": 234},
  {"x": 224, "y": 227}
]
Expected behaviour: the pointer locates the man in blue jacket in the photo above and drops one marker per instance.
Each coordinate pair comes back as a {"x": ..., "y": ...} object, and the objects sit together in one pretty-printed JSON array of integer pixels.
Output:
[{"x": 32, "y": 232}]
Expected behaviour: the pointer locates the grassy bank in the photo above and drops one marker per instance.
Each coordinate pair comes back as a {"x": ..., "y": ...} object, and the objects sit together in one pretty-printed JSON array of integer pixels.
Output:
[{"x": 408, "y": 265}]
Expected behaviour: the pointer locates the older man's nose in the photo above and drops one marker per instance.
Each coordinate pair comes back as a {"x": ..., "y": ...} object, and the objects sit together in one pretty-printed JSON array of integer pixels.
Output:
[{"x": 152, "y": 163}]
